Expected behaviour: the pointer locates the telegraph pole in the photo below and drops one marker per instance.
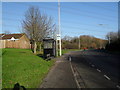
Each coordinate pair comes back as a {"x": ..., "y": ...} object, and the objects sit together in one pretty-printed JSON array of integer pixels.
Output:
[
  {"x": 79, "y": 42},
  {"x": 59, "y": 33},
  {"x": 109, "y": 38}
]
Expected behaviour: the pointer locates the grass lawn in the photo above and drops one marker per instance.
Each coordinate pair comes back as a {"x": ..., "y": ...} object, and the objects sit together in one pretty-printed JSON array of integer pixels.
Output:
[
  {"x": 68, "y": 50},
  {"x": 0, "y": 68},
  {"x": 23, "y": 67}
]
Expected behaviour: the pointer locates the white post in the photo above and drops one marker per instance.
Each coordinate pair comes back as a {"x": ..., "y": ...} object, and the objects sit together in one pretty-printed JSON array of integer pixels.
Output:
[
  {"x": 60, "y": 47},
  {"x": 79, "y": 41},
  {"x": 59, "y": 27},
  {"x": 56, "y": 47}
]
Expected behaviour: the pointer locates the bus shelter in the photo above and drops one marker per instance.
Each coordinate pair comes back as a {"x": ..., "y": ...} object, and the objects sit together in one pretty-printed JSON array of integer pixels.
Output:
[{"x": 49, "y": 49}]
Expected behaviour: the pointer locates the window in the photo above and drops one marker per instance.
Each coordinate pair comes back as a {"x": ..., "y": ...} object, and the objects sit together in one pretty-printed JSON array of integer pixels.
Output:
[{"x": 48, "y": 45}]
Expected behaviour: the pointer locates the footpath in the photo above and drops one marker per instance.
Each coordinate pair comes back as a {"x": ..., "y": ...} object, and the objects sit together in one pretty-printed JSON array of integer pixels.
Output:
[{"x": 60, "y": 75}]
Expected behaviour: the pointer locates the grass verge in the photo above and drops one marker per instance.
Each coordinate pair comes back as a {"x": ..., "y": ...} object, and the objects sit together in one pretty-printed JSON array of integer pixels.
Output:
[
  {"x": 68, "y": 50},
  {"x": 0, "y": 68},
  {"x": 23, "y": 67}
]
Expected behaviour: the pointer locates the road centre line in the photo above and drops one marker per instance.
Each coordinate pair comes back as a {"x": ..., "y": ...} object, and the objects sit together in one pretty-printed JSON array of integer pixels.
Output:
[
  {"x": 93, "y": 65},
  {"x": 107, "y": 77},
  {"x": 69, "y": 58},
  {"x": 98, "y": 70},
  {"x": 118, "y": 86}
]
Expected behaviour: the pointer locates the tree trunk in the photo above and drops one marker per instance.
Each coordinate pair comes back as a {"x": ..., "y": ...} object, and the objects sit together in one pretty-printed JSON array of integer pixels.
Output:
[
  {"x": 35, "y": 46},
  {"x": 40, "y": 47}
]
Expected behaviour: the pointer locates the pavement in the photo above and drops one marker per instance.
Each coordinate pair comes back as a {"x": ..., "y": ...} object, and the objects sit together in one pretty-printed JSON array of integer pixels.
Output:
[
  {"x": 84, "y": 69},
  {"x": 60, "y": 75}
]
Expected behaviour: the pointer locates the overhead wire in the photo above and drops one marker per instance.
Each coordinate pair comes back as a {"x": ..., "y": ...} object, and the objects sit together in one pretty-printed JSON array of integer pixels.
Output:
[
  {"x": 71, "y": 27},
  {"x": 96, "y": 6},
  {"x": 63, "y": 21},
  {"x": 69, "y": 13},
  {"x": 89, "y": 12}
]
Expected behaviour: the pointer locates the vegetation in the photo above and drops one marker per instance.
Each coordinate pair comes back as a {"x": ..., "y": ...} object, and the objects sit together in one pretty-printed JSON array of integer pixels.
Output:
[
  {"x": 0, "y": 68},
  {"x": 68, "y": 50},
  {"x": 23, "y": 67},
  {"x": 113, "y": 41},
  {"x": 82, "y": 42},
  {"x": 37, "y": 26}
]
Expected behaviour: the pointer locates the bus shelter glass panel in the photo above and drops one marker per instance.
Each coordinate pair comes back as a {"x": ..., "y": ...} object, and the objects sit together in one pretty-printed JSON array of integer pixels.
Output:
[{"x": 48, "y": 44}]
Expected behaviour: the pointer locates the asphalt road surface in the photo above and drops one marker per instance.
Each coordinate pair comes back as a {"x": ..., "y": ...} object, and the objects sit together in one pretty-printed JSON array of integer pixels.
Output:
[{"x": 98, "y": 69}]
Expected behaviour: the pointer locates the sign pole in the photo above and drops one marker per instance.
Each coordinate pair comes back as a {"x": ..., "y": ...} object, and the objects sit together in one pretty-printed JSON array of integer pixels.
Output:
[{"x": 59, "y": 27}]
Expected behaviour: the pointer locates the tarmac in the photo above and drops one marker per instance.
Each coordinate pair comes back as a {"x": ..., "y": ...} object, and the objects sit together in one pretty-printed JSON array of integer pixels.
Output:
[{"x": 60, "y": 75}]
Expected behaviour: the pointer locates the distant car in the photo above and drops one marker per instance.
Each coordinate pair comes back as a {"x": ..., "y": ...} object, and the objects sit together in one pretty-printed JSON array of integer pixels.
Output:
[{"x": 84, "y": 48}]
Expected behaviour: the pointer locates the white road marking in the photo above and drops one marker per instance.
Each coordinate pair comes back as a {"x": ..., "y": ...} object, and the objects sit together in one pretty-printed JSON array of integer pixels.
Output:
[
  {"x": 70, "y": 59},
  {"x": 107, "y": 77},
  {"x": 118, "y": 86},
  {"x": 98, "y": 70},
  {"x": 93, "y": 65},
  {"x": 74, "y": 74}
]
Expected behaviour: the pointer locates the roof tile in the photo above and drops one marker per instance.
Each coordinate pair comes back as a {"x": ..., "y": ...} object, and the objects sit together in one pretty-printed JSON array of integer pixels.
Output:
[{"x": 9, "y": 36}]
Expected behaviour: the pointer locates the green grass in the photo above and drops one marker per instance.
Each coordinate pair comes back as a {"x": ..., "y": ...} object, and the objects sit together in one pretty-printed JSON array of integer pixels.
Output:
[
  {"x": 23, "y": 67},
  {"x": 0, "y": 68},
  {"x": 68, "y": 50}
]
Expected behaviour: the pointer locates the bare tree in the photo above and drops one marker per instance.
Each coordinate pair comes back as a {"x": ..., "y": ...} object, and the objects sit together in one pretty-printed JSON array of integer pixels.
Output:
[
  {"x": 112, "y": 36},
  {"x": 67, "y": 38},
  {"x": 37, "y": 25}
]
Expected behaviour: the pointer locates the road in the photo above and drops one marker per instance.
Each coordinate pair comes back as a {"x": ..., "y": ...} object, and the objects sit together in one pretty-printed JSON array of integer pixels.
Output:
[{"x": 97, "y": 69}]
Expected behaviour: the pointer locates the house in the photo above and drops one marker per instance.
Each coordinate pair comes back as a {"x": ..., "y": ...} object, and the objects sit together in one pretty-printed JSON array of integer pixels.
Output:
[
  {"x": 14, "y": 41},
  {"x": 2, "y": 42},
  {"x": 1, "y": 35}
]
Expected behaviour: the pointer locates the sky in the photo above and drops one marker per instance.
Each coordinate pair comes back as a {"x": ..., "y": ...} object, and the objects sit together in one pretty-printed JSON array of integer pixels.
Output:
[{"x": 76, "y": 18}]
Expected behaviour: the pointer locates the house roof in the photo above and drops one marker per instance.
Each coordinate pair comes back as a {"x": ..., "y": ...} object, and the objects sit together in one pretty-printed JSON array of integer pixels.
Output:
[
  {"x": 9, "y": 36},
  {"x": 1, "y": 35}
]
